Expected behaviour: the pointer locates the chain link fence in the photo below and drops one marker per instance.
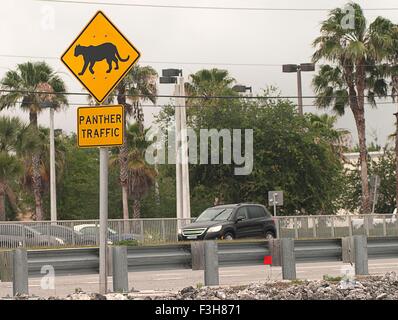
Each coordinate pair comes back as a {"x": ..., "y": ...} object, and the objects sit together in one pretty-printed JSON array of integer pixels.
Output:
[{"x": 73, "y": 233}]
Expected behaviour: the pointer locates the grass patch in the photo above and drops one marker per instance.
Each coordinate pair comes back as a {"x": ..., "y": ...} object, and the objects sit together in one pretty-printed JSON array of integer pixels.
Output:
[
  {"x": 297, "y": 281},
  {"x": 330, "y": 278}
]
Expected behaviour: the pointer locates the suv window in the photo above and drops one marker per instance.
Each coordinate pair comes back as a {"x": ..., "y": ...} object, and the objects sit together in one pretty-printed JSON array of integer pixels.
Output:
[
  {"x": 242, "y": 212},
  {"x": 256, "y": 212}
]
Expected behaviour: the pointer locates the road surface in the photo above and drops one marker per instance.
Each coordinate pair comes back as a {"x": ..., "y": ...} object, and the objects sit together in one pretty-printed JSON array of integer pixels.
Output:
[{"x": 147, "y": 281}]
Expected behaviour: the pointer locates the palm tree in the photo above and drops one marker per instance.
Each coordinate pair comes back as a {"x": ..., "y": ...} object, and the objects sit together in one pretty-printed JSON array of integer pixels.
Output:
[
  {"x": 141, "y": 175},
  {"x": 325, "y": 125},
  {"x": 355, "y": 53},
  {"x": 209, "y": 81},
  {"x": 10, "y": 166},
  {"x": 139, "y": 85},
  {"x": 23, "y": 86},
  {"x": 37, "y": 141},
  {"x": 10, "y": 169}
]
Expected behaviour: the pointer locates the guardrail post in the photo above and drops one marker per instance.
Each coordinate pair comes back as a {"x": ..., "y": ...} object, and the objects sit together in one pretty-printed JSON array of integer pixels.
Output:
[
  {"x": 361, "y": 255},
  {"x": 120, "y": 270},
  {"x": 274, "y": 247},
  {"x": 197, "y": 255},
  {"x": 288, "y": 259},
  {"x": 6, "y": 266},
  {"x": 20, "y": 272},
  {"x": 211, "y": 263},
  {"x": 347, "y": 249}
]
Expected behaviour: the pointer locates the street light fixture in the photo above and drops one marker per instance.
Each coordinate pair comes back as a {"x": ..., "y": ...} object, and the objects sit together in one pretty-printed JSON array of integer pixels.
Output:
[
  {"x": 182, "y": 172},
  {"x": 306, "y": 67}
]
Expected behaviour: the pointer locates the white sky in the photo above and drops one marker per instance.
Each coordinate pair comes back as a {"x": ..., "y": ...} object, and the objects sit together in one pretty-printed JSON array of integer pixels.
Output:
[{"x": 212, "y": 37}]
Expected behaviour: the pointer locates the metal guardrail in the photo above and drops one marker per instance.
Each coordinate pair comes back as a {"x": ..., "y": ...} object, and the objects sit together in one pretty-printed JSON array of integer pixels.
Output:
[
  {"x": 178, "y": 256},
  {"x": 72, "y": 233}
]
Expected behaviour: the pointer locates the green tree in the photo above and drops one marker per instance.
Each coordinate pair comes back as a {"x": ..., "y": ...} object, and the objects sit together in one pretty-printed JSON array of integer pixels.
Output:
[
  {"x": 384, "y": 167},
  {"x": 138, "y": 86},
  {"x": 10, "y": 165},
  {"x": 355, "y": 54},
  {"x": 141, "y": 175},
  {"x": 326, "y": 126},
  {"x": 37, "y": 141},
  {"x": 291, "y": 153},
  {"x": 24, "y": 90}
]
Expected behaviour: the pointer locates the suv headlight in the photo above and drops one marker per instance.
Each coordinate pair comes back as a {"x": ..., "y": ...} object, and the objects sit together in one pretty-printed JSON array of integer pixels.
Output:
[{"x": 214, "y": 229}]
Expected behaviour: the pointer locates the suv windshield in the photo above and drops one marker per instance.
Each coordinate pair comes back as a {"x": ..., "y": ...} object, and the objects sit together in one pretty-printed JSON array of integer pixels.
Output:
[{"x": 215, "y": 214}]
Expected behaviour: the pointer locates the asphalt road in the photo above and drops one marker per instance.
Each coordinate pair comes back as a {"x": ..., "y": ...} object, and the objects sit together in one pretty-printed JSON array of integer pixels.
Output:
[{"x": 147, "y": 281}]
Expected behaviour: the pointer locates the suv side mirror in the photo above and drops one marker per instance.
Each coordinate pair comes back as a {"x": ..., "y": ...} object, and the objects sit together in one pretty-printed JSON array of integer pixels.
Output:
[{"x": 240, "y": 219}]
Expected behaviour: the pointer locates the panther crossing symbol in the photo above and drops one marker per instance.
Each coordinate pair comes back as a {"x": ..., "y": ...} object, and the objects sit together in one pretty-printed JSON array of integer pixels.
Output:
[{"x": 100, "y": 56}]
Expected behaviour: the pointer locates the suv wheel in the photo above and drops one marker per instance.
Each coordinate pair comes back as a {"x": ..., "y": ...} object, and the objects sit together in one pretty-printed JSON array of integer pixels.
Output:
[
  {"x": 228, "y": 236},
  {"x": 269, "y": 235}
]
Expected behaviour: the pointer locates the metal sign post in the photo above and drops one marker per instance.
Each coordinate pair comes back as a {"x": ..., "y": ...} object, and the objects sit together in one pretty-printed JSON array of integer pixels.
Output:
[
  {"x": 275, "y": 198},
  {"x": 103, "y": 208}
]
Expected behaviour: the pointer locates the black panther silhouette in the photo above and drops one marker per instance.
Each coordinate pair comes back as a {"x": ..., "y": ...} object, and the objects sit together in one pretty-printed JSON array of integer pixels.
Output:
[{"x": 92, "y": 54}]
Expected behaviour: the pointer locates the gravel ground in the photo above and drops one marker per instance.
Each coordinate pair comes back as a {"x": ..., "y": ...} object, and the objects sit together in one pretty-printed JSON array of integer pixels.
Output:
[{"x": 362, "y": 288}]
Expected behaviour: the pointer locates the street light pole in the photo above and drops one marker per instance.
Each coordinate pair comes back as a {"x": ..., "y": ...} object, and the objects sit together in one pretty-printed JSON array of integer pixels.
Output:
[
  {"x": 186, "y": 204},
  {"x": 182, "y": 170},
  {"x": 179, "y": 198},
  {"x": 298, "y": 68},
  {"x": 47, "y": 101},
  {"x": 299, "y": 92},
  {"x": 53, "y": 192}
]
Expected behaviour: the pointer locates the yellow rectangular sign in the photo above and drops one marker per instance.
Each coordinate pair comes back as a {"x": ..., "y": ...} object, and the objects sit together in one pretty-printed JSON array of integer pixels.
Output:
[{"x": 100, "y": 126}]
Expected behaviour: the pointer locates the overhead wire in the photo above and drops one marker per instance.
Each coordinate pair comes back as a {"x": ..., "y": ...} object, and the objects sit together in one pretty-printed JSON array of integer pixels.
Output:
[{"x": 146, "y": 5}]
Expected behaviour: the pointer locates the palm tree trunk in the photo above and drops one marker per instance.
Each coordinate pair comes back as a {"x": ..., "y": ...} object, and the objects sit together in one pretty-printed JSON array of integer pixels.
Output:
[
  {"x": 123, "y": 154},
  {"x": 2, "y": 202},
  {"x": 36, "y": 177},
  {"x": 365, "y": 198},
  {"x": 359, "y": 116},
  {"x": 36, "y": 181},
  {"x": 136, "y": 209},
  {"x": 123, "y": 177}
]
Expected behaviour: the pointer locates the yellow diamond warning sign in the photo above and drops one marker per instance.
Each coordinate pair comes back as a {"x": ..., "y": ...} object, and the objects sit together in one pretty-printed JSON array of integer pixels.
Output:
[
  {"x": 100, "y": 126},
  {"x": 100, "y": 56}
]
